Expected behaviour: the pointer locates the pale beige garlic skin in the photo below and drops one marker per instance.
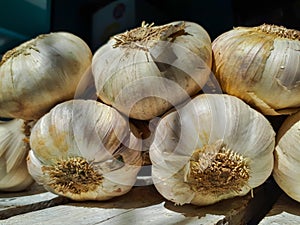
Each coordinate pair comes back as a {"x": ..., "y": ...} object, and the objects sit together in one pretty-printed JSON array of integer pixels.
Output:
[
  {"x": 145, "y": 71},
  {"x": 287, "y": 157},
  {"x": 260, "y": 65},
  {"x": 84, "y": 150},
  {"x": 40, "y": 73},
  {"x": 14, "y": 147},
  {"x": 215, "y": 147}
]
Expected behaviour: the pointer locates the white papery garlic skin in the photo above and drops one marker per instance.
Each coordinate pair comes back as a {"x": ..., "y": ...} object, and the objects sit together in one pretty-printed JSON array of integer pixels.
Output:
[
  {"x": 287, "y": 157},
  {"x": 14, "y": 148},
  {"x": 84, "y": 150},
  {"x": 40, "y": 73},
  {"x": 147, "y": 70},
  {"x": 213, "y": 148}
]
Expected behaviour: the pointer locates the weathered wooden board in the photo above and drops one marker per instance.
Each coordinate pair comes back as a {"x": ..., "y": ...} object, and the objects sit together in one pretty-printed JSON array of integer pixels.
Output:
[
  {"x": 144, "y": 205},
  {"x": 22, "y": 202},
  {"x": 285, "y": 211}
]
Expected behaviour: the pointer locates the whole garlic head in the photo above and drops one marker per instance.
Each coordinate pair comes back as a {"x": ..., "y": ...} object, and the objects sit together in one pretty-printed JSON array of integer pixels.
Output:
[
  {"x": 287, "y": 157},
  {"x": 147, "y": 70},
  {"x": 260, "y": 65},
  {"x": 213, "y": 148},
  {"x": 14, "y": 148},
  {"x": 40, "y": 73},
  {"x": 84, "y": 150}
]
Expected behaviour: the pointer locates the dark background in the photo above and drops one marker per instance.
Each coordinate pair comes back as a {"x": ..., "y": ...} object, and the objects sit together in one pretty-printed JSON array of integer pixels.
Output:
[{"x": 97, "y": 20}]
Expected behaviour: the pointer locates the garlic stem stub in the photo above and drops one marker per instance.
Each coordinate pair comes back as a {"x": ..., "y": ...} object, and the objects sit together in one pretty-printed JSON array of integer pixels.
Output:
[
  {"x": 39, "y": 73},
  {"x": 145, "y": 71},
  {"x": 84, "y": 150},
  {"x": 260, "y": 65},
  {"x": 14, "y": 148},
  {"x": 286, "y": 170},
  {"x": 215, "y": 147}
]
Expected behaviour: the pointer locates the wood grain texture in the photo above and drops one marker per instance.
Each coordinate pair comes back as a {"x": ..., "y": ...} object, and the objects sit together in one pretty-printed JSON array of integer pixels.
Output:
[
  {"x": 35, "y": 198},
  {"x": 144, "y": 205}
]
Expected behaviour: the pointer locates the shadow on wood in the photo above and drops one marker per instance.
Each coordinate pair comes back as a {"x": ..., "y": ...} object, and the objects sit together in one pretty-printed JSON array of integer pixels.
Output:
[{"x": 137, "y": 197}]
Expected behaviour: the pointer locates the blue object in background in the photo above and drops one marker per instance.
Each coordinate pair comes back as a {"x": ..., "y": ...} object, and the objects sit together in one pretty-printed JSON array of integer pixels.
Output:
[
  {"x": 8, "y": 39},
  {"x": 21, "y": 20}
]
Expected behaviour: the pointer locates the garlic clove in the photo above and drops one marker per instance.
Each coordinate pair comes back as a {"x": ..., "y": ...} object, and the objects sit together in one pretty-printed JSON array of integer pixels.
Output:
[
  {"x": 213, "y": 148},
  {"x": 84, "y": 150},
  {"x": 147, "y": 70},
  {"x": 287, "y": 155},
  {"x": 40, "y": 73},
  {"x": 261, "y": 66}
]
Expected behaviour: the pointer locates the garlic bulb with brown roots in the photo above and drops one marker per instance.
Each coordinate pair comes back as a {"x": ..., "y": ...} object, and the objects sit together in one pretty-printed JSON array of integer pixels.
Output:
[
  {"x": 145, "y": 71},
  {"x": 39, "y": 73},
  {"x": 84, "y": 150},
  {"x": 213, "y": 148},
  {"x": 260, "y": 65}
]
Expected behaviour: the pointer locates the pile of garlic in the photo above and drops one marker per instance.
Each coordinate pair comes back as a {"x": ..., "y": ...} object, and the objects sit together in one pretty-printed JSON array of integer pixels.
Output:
[
  {"x": 142, "y": 102},
  {"x": 90, "y": 149},
  {"x": 261, "y": 66},
  {"x": 34, "y": 77}
]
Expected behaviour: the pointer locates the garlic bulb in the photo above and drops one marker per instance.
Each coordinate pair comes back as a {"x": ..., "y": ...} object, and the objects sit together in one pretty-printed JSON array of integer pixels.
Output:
[
  {"x": 287, "y": 157},
  {"x": 260, "y": 65},
  {"x": 84, "y": 150},
  {"x": 215, "y": 147},
  {"x": 14, "y": 148},
  {"x": 147, "y": 70},
  {"x": 40, "y": 73}
]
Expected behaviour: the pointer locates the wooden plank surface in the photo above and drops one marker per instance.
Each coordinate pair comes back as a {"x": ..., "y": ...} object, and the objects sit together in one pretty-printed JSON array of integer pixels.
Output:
[
  {"x": 144, "y": 205},
  {"x": 34, "y": 198},
  {"x": 285, "y": 211}
]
